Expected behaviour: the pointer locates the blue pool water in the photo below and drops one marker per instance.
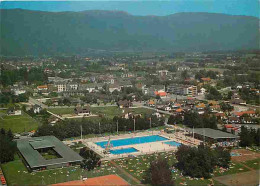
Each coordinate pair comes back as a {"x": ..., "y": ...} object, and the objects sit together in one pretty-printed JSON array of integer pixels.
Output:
[
  {"x": 173, "y": 143},
  {"x": 132, "y": 141},
  {"x": 123, "y": 151},
  {"x": 235, "y": 154}
]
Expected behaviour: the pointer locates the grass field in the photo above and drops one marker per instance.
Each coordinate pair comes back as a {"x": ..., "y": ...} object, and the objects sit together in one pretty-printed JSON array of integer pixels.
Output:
[
  {"x": 17, "y": 174},
  {"x": 109, "y": 112},
  {"x": 18, "y": 124},
  {"x": 137, "y": 167},
  {"x": 255, "y": 164},
  {"x": 62, "y": 111},
  {"x": 233, "y": 169}
]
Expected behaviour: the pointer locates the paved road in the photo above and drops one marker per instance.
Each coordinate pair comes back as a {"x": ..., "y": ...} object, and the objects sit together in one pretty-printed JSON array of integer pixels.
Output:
[
  {"x": 57, "y": 116},
  {"x": 157, "y": 110},
  {"x": 34, "y": 102}
]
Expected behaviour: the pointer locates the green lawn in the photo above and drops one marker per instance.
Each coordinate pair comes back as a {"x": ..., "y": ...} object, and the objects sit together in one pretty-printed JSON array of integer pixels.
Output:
[
  {"x": 62, "y": 111},
  {"x": 109, "y": 112},
  {"x": 233, "y": 169},
  {"x": 17, "y": 124},
  {"x": 16, "y": 174},
  {"x": 255, "y": 164},
  {"x": 137, "y": 166}
]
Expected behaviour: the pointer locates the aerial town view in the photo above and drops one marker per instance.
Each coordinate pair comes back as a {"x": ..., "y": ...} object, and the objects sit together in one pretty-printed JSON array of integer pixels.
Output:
[{"x": 130, "y": 93}]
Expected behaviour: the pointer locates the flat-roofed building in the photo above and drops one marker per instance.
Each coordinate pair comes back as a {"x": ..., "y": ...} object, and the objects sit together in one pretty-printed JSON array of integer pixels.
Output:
[{"x": 46, "y": 152}]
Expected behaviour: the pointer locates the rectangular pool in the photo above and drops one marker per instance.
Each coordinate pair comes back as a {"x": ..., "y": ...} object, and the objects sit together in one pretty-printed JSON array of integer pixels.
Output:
[
  {"x": 132, "y": 141},
  {"x": 173, "y": 143},
  {"x": 123, "y": 151}
]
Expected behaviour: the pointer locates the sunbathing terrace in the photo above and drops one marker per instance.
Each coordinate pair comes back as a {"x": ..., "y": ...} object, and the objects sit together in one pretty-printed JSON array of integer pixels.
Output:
[
  {"x": 136, "y": 144},
  {"x": 31, "y": 149}
]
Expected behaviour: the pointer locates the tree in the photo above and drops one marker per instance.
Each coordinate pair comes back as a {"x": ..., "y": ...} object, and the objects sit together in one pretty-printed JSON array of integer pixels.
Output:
[
  {"x": 159, "y": 173},
  {"x": 10, "y": 134},
  {"x": 7, "y": 148},
  {"x": 91, "y": 160},
  {"x": 200, "y": 162},
  {"x": 175, "y": 119},
  {"x": 222, "y": 157},
  {"x": 225, "y": 107},
  {"x": 246, "y": 139},
  {"x": 213, "y": 94},
  {"x": 185, "y": 74}
]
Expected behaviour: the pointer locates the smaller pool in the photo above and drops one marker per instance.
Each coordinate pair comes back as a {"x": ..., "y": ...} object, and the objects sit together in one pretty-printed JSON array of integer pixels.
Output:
[
  {"x": 173, "y": 143},
  {"x": 123, "y": 151},
  {"x": 235, "y": 154}
]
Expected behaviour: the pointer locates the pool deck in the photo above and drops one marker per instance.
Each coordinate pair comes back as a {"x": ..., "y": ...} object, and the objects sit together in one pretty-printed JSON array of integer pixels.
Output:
[{"x": 143, "y": 148}]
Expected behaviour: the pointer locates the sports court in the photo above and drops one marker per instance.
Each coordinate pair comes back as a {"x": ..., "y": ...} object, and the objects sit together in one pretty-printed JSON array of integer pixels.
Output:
[{"x": 102, "y": 180}]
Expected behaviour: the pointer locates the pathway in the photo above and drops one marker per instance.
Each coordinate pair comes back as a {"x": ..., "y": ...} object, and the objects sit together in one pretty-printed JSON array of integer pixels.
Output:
[
  {"x": 126, "y": 173},
  {"x": 57, "y": 116}
]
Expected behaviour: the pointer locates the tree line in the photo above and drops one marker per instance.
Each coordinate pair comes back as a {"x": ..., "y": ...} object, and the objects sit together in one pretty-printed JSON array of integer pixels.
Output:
[
  {"x": 193, "y": 119},
  {"x": 249, "y": 137},
  {"x": 72, "y": 128},
  {"x": 7, "y": 146},
  {"x": 34, "y": 75}
]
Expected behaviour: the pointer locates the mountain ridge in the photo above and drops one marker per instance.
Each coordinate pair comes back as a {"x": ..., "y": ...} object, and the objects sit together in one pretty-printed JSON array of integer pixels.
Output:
[{"x": 28, "y": 32}]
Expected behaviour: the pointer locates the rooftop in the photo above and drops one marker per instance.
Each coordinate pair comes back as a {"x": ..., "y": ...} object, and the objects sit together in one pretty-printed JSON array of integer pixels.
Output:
[
  {"x": 211, "y": 133},
  {"x": 28, "y": 148}
]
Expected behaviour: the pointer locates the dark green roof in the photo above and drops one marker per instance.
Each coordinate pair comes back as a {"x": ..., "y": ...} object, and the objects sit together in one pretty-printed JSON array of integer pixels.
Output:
[
  {"x": 40, "y": 144},
  {"x": 28, "y": 148},
  {"x": 214, "y": 134}
]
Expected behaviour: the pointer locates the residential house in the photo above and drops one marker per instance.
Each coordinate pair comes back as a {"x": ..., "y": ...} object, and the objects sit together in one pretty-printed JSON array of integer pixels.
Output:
[
  {"x": 160, "y": 93},
  {"x": 14, "y": 111},
  {"x": 124, "y": 104},
  {"x": 151, "y": 103},
  {"x": 82, "y": 111},
  {"x": 206, "y": 80},
  {"x": 42, "y": 88},
  {"x": 232, "y": 119},
  {"x": 202, "y": 91},
  {"x": 37, "y": 108},
  {"x": 113, "y": 87}
]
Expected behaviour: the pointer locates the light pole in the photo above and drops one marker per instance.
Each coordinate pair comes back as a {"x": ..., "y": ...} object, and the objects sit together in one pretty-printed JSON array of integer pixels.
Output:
[
  {"x": 117, "y": 127},
  {"x": 99, "y": 127},
  {"x": 81, "y": 132},
  {"x": 134, "y": 124},
  {"x": 150, "y": 122}
]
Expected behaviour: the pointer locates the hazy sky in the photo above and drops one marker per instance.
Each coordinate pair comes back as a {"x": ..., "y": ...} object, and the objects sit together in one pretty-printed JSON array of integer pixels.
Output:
[{"x": 146, "y": 7}]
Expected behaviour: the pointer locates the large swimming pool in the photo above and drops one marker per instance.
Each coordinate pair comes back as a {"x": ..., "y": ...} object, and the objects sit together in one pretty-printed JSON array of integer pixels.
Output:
[
  {"x": 132, "y": 141},
  {"x": 123, "y": 151}
]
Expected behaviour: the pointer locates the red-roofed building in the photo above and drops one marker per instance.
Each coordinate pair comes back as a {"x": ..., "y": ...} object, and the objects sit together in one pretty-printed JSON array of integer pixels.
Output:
[
  {"x": 42, "y": 87},
  {"x": 160, "y": 93},
  {"x": 249, "y": 112},
  {"x": 206, "y": 79}
]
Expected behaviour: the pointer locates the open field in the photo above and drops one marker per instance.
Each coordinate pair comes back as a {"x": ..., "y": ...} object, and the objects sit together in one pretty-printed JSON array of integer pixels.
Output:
[
  {"x": 109, "y": 112},
  {"x": 254, "y": 164},
  {"x": 17, "y": 124},
  {"x": 245, "y": 155},
  {"x": 16, "y": 174},
  {"x": 233, "y": 169},
  {"x": 249, "y": 178}
]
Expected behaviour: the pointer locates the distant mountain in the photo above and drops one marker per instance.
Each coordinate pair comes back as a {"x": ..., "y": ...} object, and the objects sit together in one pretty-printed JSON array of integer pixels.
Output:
[{"x": 25, "y": 32}]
